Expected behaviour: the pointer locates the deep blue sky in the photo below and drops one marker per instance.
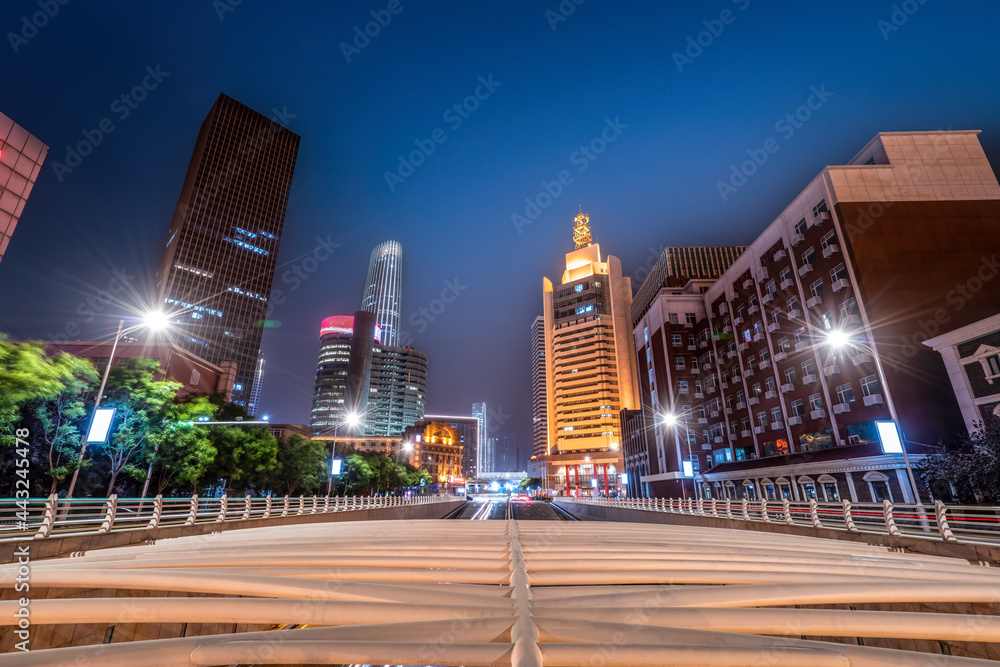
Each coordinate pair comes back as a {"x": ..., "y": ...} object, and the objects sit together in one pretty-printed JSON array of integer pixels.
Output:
[{"x": 655, "y": 185}]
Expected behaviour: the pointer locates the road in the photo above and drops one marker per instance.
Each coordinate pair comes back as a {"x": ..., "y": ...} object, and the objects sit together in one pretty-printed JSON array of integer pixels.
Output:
[{"x": 489, "y": 508}]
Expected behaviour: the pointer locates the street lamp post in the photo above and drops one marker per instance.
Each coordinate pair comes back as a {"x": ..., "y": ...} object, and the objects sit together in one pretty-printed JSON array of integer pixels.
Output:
[
  {"x": 670, "y": 419},
  {"x": 351, "y": 419},
  {"x": 839, "y": 339},
  {"x": 153, "y": 321}
]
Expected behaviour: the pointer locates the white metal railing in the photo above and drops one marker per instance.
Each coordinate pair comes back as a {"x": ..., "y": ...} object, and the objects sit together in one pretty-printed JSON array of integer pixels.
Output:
[
  {"x": 35, "y": 518},
  {"x": 951, "y": 523}
]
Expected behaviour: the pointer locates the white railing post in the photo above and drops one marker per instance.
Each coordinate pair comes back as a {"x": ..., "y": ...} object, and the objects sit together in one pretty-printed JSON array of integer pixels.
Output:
[
  {"x": 713, "y": 509},
  {"x": 193, "y": 511},
  {"x": 890, "y": 521},
  {"x": 729, "y": 508},
  {"x": 814, "y": 513},
  {"x": 848, "y": 519},
  {"x": 942, "y": 522},
  {"x": 284, "y": 511},
  {"x": 246, "y": 507},
  {"x": 223, "y": 508},
  {"x": 701, "y": 506},
  {"x": 763, "y": 511},
  {"x": 787, "y": 510},
  {"x": 154, "y": 520},
  {"x": 315, "y": 507},
  {"x": 267, "y": 508},
  {"x": 326, "y": 504},
  {"x": 48, "y": 518},
  {"x": 746, "y": 510},
  {"x": 110, "y": 508},
  {"x": 302, "y": 505}
]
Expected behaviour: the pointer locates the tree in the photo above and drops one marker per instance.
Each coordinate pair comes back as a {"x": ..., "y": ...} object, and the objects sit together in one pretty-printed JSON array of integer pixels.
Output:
[
  {"x": 971, "y": 464},
  {"x": 182, "y": 453},
  {"x": 141, "y": 404},
  {"x": 246, "y": 457},
  {"x": 530, "y": 483},
  {"x": 302, "y": 463}
]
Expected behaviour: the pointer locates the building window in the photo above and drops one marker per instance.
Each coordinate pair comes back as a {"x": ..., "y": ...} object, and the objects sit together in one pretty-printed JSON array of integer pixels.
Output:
[
  {"x": 783, "y": 344},
  {"x": 676, "y": 340},
  {"x": 645, "y": 334},
  {"x": 752, "y": 362},
  {"x": 849, "y": 307},
  {"x": 993, "y": 366},
  {"x": 769, "y": 384},
  {"x": 729, "y": 401},
  {"x": 775, "y": 415},
  {"x": 819, "y": 208},
  {"x": 869, "y": 385},
  {"x": 673, "y": 318},
  {"x": 690, "y": 437},
  {"x": 798, "y": 407},
  {"x": 745, "y": 424},
  {"x": 880, "y": 491},
  {"x": 845, "y": 393},
  {"x": 809, "y": 256},
  {"x": 752, "y": 300},
  {"x": 771, "y": 287},
  {"x": 838, "y": 273},
  {"x": 764, "y": 355},
  {"x": 793, "y": 303},
  {"x": 679, "y": 363},
  {"x": 691, "y": 318},
  {"x": 800, "y": 335},
  {"x": 762, "y": 418},
  {"x": 829, "y": 239},
  {"x": 741, "y": 311},
  {"x": 786, "y": 274},
  {"x": 790, "y": 376},
  {"x": 826, "y": 320},
  {"x": 777, "y": 316},
  {"x": 816, "y": 401},
  {"x": 741, "y": 398},
  {"x": 578, "y": 288},
  {"x": 800, "y": 226},
  {"x": 816, "y": 289},
  {"x": 830, "y": 491},
  {"x": 682, "y": 387},
  {"x": 755, "y": 390},
  {"x": 808, "y": 367}
]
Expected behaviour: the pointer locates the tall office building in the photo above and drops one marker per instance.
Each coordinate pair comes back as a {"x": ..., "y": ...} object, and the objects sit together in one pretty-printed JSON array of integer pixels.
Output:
[
  {"x": 539, "y": 418},
  {"x": 216, "y": 272},
  {"x": 468, "y": 433},
  {"x": 676, "y": 265},
  {"x": 258, "y": 378},
  {"x": 384, "y": 289},
  {"x": 590, "y": 362},
  {"x": 384, "y": 387},
  {"x": 479, "y": 412},
  {"x": 21, "y": 157},
  {"x": 507, "y": 454}
]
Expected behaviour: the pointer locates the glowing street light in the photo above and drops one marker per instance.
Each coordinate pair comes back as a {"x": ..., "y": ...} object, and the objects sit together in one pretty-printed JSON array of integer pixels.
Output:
[
  {"x": 838, "y": 339},
  {"x": 668, "y": 419}
]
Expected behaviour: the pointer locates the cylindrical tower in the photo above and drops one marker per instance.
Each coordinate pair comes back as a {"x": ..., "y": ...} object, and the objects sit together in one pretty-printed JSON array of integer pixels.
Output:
[{"x": 384, "y": 290}]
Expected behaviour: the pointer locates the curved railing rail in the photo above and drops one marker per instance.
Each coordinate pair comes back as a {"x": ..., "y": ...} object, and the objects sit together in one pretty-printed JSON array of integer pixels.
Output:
[
  {"x": 35, "y": 518},
  {"x": 951, "y": 523}
]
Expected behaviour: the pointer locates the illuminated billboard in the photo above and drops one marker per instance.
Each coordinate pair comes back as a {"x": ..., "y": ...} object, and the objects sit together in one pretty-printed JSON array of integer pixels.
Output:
[
  {"x": 335, "y": 466},
  {"x": 100, "y": 425},
  {"x": 888, "y": 435},
  {"x": 688, "y": 468},
  {"x": 337, "y": 324}
]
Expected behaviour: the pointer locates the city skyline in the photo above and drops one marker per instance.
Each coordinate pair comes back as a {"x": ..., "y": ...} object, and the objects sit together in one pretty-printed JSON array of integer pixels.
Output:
[{"x": 675, "y": 138}]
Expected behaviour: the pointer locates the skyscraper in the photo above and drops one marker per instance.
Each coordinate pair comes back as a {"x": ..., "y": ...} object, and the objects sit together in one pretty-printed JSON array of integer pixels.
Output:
[
  {"x": 539, "y": 418},
  {"x": 21, "y": 157},
  {"x": 384, "y": 289},
  {"x": 337, "y": 392},
  {"x": 479, "y": 412},
  {"x": 590, "y": 367},
  {"x": 258, "y": 377},
  {"x": 216, "y": 271},
  {"x": 397, "y": 390}
]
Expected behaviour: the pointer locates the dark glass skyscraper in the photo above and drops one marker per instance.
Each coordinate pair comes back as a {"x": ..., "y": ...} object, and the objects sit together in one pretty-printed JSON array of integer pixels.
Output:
[
  {"x": 384, "y": 289},
  {"x": 217, "y": 268}
]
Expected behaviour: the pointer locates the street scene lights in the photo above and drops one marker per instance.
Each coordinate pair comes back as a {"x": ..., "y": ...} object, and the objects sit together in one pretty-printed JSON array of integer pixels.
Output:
[
  {"x": 670, "y": 420},
  {"x": 838, "y": 340},
  {"x": 154, "y": 321}
]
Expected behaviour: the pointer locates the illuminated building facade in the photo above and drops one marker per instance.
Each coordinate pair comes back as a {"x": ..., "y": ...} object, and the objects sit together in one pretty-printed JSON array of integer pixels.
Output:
[
  {"x": 218, "y": 266},
  {"x": 814, "y": 333},
  {"x": 468, "y": 433},
  {"x": 590, "y": 376},
  {"x": 342, "y": 376},
  {"x": 383, "y": 293},
  {"x": 258, "y": 378},
  {"x": 437, "y": 448},
  {"x": 539, "y": 414},
  {"x": 21, "y": 158},
  {"x": 397, "y": 390},
  {"x": 483, "y": 456}
]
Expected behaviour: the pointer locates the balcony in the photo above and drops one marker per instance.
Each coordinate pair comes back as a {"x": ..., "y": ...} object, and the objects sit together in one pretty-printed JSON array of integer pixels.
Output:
[
  {"x": 809, "y": 379},
  {"x": 738, "y": 320},
  {"x": 758, "y": 429},
  {"x": 805, "y": 270},
  {"x": 831, "y": 250},
  {"x": 850, "y": 321},
  {"x": 702, "y": 344},
  {"x": 765, "y": 364},
  {"x": 787, "y": 388},
  {"x": 862, "y": 358},
  {"x": 787, "y": 283},
  {"x": 758, "y": 337},
  {"x": 797, "y": 239},
  {"x": 814, "y": 301},
  {"x": 753, "y": 310},
  {"x": 736, "y": 378},
  {"x": 723, "y": 308},
  {"x": 742, "y": 347},
  {"x": 794, "y": 313},
  {"x": 833, "y": 369},
  {"x": 794, "y": 421},
  {"x": 780, "y": 355},
  {"x": 801, "y": 345},
  {"x": 770, "y": 394},
  {"x": 710, "y": 390},
  {"x": 744, "y": 434},
  {"x": 702, "y": 420},
  {"x": 714, "y": 414},
  {"x": 761, "y": 275},
  {"x": 731, "y": 354},
  {"x": 707, "y": 366},
  {"x": 691, "y": 348},
  {"x": 822, "y": 217},
  {"x": 817, "y": 414},
  {"x": 748, "y": 283},
  {"x": 719, "y": 439},
  {"x": 754, "y": 400},
  {"x": 695, "y": 370},
  {"x": 727, "y": 329},
  {"x": 748, "y": 373},
  {"x": 841, "y": 408},
  {"x": 772, "y": 327},
  {"x": 874, "y": 399},
  {"x": 727, "y": 411},
  {"x": 699, "y": 395},
  {"x": 780, "y": 255},
  {"x": 840, "y": 285},
  {"x": 777, "y": 426},
  {"x": 767, "y": 298}
]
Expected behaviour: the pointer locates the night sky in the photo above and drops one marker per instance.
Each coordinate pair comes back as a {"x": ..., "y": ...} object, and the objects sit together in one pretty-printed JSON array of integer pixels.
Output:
[{"x": 681, "y": 121}]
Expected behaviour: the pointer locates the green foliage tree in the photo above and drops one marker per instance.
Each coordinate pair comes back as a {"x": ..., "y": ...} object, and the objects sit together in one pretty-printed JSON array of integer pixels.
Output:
[
  {"x": 182, "y": 452},
  {"x": 302, "y": 465},
  {"x": 246, "y": 457},
  {"x": 530, "y": 483},
  {"x": 971, "y": 464},
  {"x": 142, "y": 404}
]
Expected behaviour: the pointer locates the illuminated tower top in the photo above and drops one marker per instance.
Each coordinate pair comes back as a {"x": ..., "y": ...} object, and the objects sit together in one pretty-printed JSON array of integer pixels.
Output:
[{"x": 581, "y": 230}]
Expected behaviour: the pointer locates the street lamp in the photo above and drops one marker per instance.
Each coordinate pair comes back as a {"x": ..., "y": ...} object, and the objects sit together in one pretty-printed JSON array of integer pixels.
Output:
[
  {"x": 154, "y": 321},
  {"x": 838, "y": 340},
  {"x": 352, "y": 419},
  {"x": 670, "y": 420}
]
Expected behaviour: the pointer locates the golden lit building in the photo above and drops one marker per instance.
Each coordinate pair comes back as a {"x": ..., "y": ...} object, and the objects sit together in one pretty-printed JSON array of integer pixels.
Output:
[
  {"x": 589, "y": 368},
  {"x": 437, "y": 448}
]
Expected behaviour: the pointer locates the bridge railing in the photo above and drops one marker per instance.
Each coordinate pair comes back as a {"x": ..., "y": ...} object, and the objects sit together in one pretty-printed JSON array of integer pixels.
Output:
[
  {"x": 35, "y": 518},
  {"x": 951, "y": 523}
]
